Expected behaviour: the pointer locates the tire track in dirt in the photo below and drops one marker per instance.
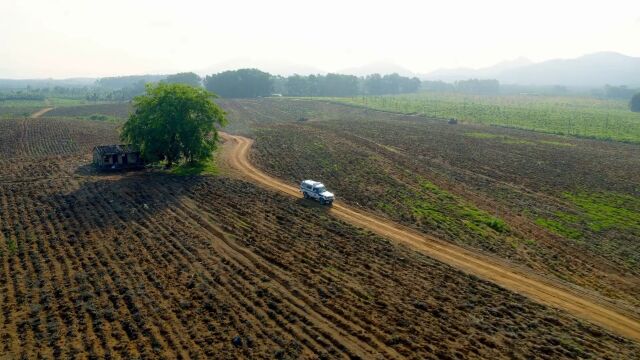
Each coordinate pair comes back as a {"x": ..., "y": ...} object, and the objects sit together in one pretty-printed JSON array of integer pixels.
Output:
[
  {"x": 237, "y": 287},
  {"x": 358, "y": 327},
  {"x": 542, "y": 290}
]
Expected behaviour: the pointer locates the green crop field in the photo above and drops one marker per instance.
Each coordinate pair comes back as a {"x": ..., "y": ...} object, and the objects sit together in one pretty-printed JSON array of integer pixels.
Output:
[{"x": 575, "y": 116}]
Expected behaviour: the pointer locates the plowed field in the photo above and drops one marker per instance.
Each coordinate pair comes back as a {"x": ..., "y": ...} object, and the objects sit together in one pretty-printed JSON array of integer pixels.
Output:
[
  {"x": 156, "y": 266},
  {"x": 563, "y": 207}
]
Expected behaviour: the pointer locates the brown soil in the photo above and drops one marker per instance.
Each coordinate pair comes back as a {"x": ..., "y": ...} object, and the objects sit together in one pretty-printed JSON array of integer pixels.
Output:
[
  {"x": 489, "y": 189},
  {"x": 148, "y": 265},
  {"x": 539, "y": 289}
]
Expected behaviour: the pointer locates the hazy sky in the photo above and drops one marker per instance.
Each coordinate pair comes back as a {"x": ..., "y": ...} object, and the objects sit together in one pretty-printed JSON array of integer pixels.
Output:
[{"x": 65, "y": 38}]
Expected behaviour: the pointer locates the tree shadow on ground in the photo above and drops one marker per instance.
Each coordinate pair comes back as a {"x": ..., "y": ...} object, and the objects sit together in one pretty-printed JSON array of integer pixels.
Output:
[
  {"x": 90, "y": 170},
  {"x": 112, "y": 200}
]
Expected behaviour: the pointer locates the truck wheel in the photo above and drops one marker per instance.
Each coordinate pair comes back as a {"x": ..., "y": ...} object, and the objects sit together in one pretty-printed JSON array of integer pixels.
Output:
[{"x": 321, "y": 201}]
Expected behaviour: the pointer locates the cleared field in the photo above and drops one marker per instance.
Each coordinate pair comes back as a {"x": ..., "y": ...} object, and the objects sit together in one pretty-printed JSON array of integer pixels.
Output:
[
  {"x": 23, "y": 108},
  {"x": 31, "y": 148},
  {"x": 113, "y": 110},
  {"x": 10, "y": 112},
  {"x": 577, "y": 116},
  {"x": 537, "y": 200},
  {"x": 157, "y": 266}
]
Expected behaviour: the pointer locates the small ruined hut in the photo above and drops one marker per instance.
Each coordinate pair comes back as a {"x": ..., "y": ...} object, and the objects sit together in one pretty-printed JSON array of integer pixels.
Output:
[{"x": 116, "y": 157}]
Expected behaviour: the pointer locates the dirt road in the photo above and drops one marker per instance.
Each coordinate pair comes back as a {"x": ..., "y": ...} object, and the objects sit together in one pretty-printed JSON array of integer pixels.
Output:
[
  {"x": 546, "y": 291},
  {"x": 41, "y": 112}
]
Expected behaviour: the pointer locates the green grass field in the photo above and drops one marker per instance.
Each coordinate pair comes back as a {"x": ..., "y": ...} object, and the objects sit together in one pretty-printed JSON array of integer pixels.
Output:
[{"x": 575, "y": 116}]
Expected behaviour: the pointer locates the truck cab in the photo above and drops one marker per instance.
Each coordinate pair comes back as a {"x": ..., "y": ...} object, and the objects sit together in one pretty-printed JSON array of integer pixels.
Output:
[{"x": 317, "y": 191}]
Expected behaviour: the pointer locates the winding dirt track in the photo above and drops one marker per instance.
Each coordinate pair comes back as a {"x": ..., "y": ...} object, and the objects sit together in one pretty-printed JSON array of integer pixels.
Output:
[
  {"x": 39, "y": 113},
  {"x": 546, "y": 291}
]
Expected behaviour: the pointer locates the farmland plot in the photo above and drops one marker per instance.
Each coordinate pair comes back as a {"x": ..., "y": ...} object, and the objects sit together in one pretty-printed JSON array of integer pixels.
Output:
[
  {"x": 565, "y": 115},
  {"x": 8, "y": 112},
  {"x": 528, "y": 197},
  {"x": 156, "y": 266},
  {"x": 32, "y": 148},
  {"x": 112, "y": 111}
]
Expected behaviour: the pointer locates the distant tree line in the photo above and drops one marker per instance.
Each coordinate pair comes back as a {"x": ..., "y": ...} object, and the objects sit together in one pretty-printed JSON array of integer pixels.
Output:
[
  {"x": 476, "y": 86},
  {"x": 349, "y": 85},
  {"x": 321, "y": 85},
  {"x": 618, "y": 92},
  {"x": 248, "y": 83},
  {"x": 376, "y": 84},
  {"x": 120, "y": 82},
  {"x": 186, "y": 78},
  {"x": 243, "y": 83},
  {"x": 634, "y": 104},
  {"x": 21, "y": 95},
  {"x": 251, "y": 83}
]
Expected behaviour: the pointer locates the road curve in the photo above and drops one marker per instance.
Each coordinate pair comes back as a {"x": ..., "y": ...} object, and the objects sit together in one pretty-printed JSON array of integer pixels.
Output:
[
  {"x": 40, "y": 112},
  {"x": 542, "y": 290}
]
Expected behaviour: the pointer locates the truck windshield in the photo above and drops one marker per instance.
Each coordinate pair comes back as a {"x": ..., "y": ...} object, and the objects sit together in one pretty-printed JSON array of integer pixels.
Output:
[{"x": 320, "y": 189}]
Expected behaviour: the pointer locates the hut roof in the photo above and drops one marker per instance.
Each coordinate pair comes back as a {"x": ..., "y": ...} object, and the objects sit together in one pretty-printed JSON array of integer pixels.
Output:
[{"x": 115, "y": 149}]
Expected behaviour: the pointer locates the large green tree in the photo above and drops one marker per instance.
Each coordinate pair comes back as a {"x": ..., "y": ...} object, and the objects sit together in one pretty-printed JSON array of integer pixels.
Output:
[
  {"x": 634, "y": 105},
  {"x": 172, "y": 122}
]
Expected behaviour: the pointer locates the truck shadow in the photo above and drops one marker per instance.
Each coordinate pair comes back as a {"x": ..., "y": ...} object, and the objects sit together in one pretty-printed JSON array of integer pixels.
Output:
[{"x": 312, "y": 204}]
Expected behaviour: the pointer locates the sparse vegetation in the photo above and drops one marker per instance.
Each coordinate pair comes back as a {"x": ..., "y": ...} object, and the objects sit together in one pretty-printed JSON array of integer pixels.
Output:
[
  {"x": 607, "y": 210},
  {"x": 195, "y": 168}
]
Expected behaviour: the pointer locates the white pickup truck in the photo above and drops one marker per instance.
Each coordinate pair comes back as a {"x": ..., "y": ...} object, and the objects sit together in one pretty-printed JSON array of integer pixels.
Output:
[{"x": 316, "y": 190}]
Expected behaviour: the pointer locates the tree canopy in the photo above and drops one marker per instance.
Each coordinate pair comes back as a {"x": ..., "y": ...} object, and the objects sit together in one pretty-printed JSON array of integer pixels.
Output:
[
  {"x": 119, "y": 82},
  {"x": 349, "y": 85},
  {"x": 376, "y": 84},
  {"x": 243, "y": 83},
  {"x": 634, "y": 105},
  {"x": 187, "y": 78},
  {"x": 618, "y": 92},
  {"x": 173, "y": 122},
  {"x": 319, "y": 85}
]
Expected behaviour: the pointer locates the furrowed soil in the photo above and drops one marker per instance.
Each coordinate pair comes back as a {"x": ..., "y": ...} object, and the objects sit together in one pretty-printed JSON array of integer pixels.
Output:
[
  {"x": 149, "y": 265},
  {"x": 115, "y": 110},
  {"x": 561, "y": 207}
]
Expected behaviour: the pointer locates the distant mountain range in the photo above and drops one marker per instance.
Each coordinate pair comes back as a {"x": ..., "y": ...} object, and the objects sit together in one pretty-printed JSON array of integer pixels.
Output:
[
  {"x": 593, "y": 70},
  {"x": 490, "y": 72},
  {"x": 382, "y": 68},
  {"x": 588, "y": 71}
]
